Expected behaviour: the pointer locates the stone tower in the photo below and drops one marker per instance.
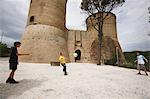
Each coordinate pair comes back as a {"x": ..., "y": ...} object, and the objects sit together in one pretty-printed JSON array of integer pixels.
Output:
[{"x": 45, "y": 35}]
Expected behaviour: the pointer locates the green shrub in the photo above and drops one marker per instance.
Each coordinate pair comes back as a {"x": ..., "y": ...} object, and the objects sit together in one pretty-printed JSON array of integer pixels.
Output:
[
  {"x": 128, "y": 65},
  {"x": 4, "y": 50},
  {"x": 132, "y": 66},
  {"x": 112, "y": 61},
  {"x": 131, "y": 57}
]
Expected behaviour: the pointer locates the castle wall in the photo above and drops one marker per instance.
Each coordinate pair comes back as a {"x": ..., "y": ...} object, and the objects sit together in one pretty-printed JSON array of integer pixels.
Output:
[
  {"x": 44, "y": 43},
  {"x": 109, "y": 25},
  {"x": 89, "y": 48},
  {"x": 45, "y": 36},
  {"x": 78, "y": 43}
]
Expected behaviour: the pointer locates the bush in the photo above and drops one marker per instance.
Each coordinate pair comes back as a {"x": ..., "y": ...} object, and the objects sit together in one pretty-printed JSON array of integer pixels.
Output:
[
  {"x": 4, "y": 50},
  {"x": 132, "y": 66},
  {"x": 128, "y": 65},
  {"x": 112, "y": 61},
  {"x": 148, "y": 66},
  {"x": 131, "y": 57}
]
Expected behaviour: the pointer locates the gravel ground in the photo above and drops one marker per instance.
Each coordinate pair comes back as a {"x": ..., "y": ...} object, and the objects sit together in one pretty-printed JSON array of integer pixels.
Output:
[{"x": 85, "y": 81}]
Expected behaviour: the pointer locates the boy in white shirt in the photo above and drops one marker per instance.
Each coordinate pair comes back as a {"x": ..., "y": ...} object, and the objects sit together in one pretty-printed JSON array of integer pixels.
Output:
[{"x": 140, "y": 63}]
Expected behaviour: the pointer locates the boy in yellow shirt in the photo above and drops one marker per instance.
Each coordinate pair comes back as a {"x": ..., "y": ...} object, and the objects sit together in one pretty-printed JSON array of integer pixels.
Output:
[{"x": 63, "y": 63}]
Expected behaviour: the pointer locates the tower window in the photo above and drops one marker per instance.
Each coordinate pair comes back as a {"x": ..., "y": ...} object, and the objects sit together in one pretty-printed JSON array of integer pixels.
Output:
[{"x": 32, "y": 19}]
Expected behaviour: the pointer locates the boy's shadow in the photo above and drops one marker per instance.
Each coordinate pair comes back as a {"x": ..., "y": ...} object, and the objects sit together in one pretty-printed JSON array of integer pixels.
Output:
[{"x": 7, "y": 90}]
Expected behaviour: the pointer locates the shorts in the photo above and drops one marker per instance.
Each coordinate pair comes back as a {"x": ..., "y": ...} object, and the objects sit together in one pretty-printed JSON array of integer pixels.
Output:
[
  {"x": 141, "y": 66},
  {"x": 13, "y": 65},
  {"x": 63, "y": 64}
]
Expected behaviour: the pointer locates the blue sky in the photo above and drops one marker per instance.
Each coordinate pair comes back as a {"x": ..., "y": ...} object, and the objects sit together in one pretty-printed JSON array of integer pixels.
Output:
[{"x": 132, "y": 21}]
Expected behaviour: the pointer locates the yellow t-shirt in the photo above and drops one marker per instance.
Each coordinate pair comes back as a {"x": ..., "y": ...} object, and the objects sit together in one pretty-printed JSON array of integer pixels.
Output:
[{"x": 62, "y": 59}]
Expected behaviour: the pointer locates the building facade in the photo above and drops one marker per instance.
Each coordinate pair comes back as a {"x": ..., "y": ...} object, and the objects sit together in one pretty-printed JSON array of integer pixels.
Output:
[{"x": 46, "y": 36}]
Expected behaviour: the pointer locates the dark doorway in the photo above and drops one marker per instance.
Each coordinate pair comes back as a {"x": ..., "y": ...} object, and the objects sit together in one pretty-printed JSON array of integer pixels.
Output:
[{"x": 79, "y": 55}]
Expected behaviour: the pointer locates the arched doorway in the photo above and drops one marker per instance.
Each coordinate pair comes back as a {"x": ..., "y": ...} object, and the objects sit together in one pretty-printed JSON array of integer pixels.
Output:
[{"x": 79, "y": 55}]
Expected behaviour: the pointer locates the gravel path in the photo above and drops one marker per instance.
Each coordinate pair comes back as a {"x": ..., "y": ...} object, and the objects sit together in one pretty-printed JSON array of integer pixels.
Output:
[{"x": 85, "y": 81}]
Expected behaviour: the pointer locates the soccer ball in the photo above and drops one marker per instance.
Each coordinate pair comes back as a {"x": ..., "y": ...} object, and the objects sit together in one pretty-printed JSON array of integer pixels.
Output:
[{"x": 75, "y": 54}]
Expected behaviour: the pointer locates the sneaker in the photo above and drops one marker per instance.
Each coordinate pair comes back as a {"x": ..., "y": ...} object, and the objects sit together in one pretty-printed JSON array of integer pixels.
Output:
[
  {"x": 65, "y": 74},
  {"x": 13, "y": 81},
  {"x": 139, "y": 73},
  {"x": 8, "y": 80}
]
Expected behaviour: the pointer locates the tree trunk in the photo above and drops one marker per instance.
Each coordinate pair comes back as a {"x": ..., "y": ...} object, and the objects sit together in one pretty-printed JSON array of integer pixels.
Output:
[{"x": 100, "y": 36}]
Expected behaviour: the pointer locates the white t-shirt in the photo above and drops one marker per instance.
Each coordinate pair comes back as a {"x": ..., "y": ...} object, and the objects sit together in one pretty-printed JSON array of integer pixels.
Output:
[{"x": 140, "y": 59}]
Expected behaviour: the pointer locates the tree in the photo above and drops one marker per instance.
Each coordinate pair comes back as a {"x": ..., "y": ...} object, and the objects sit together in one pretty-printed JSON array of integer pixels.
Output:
[
  {"x": 97, "y": 9},
  {"x": 4, "y": 50}
]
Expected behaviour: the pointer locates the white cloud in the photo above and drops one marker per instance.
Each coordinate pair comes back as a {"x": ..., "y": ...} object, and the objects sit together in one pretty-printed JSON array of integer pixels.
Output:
[
  {"x": 74, "y": 16},
  {"x": 13, "y": 19},
  {"x": 133, "y": 25}
]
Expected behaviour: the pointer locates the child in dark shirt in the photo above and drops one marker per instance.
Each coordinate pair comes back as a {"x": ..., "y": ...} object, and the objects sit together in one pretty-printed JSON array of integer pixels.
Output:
[{"x": 13, "y": 62}]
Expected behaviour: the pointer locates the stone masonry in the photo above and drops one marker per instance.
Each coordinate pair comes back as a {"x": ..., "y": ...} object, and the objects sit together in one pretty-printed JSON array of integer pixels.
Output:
[{"x": 46, "y": 36}]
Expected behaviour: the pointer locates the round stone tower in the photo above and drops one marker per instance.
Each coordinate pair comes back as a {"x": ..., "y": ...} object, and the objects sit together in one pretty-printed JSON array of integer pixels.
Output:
[
  {"x": 45, "y": 36},
  {"x": 110, "y": 48}
]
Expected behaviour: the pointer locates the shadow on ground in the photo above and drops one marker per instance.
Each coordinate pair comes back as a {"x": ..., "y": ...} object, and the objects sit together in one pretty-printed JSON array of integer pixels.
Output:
[{"x": 7, "y": 90}]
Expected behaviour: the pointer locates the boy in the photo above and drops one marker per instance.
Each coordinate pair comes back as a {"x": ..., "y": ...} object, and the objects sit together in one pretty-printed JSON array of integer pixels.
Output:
[
  {"x": 140, "y": 62},
  {"x": 63, "y": 63},
  {"x": 13, "y": 62}
]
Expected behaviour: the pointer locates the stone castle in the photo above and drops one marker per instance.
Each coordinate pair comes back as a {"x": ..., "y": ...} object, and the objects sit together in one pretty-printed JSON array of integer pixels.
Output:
[{"x": 46, "y": 36}]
